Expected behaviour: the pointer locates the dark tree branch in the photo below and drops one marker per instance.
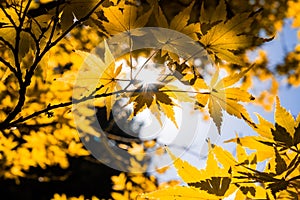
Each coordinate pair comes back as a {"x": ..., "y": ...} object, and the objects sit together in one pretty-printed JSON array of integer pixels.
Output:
[
  {"x": 8, "y": 16},
  {"x": 11, "y": 68},
  {"x": 60, "y": 105},
  {"x": 55, "y": 22},
  {"x": 78, "y": 22},
  {"x": 18, "y": 38},
  {"x": 44, "y": 8},
  {"x": 9, "y": 45},
  {"x": 29, "y": 73}
]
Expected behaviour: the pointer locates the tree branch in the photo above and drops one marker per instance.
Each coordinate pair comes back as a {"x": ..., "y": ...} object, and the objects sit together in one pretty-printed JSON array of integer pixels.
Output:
[
  {"x": 18, "y": 38},
  {"x": 8, "y": 16},
  {"x": 29, "y": 73},
  {"x": 78, "y": 22},
  {"x": 9, "y": 45},
  {"x": 60, "y": 105},
  {"x": 74, "y": 102},
  {"x": 11, "y": 68}
]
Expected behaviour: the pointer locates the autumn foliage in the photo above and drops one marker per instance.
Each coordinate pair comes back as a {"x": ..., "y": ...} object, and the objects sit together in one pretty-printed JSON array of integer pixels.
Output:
[{"x": 74, "y": 80}]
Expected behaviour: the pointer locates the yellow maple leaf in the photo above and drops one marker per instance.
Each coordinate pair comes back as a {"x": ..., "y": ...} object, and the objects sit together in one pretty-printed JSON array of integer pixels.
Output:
[
  {"x": 98, "y": 76},
  {"x": 221, "y": 96},
  {"x": 177, "y": 192},
  {"x": 119, "y": 182},
  {"x": 179, "y": 22},
  {"x": 284, "y": 133},
  {"x": 284, "y": 118},
  {"x": 153, "y": 97},
  {"x": 253, "y": 142},
  {"x": 108, "y": 79},
  {"x": 228, "y": 35},
  {"x": 124, "y": 17},
  {"x": 213, "y": 182},
  {"x": 172, "y": 41},
  {"x": 187, "y": 172},
  {"x": 277, "y": 144},
  {"x": 212, "y": 15}
]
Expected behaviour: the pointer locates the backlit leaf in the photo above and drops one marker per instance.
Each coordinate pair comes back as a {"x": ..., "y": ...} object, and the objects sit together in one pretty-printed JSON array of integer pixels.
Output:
[
  {"x": 228, "y": 35},
  {"x": 281, "y": 136},
  {"x": 187, "y": 172},
  {"x": 280, "y": 163},
  {"x": 284, "y": 118},
  {"x": 123, "y": 18},
  {"x": 179, "y": 22},
  {"x": 215, "y": 185},
  {"x": 153, "y": 97},
  {"x": 221, "y": 97},
  {"x": 178, "y": 193},
  {"x": 210, "y": 15}
]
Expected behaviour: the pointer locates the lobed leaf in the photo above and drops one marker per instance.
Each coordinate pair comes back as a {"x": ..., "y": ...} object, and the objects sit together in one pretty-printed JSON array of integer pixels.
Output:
[{"x": 284, "y": 118}]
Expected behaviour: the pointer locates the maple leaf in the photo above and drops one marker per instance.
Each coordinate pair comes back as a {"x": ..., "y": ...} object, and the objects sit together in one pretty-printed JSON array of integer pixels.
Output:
[
  {"x": 178, "y": 192},
  {"x": 123, "y": 17},
  {"x": 222, "y": 97},
  {"x": 179, "y": 22},
  {"x": 284, "y": 134},
  {"x": 90, "y": 72},
  {"x": 174, "y": 44},
  {"x": 214, "y": 185},
  {"x": 108, "y": 79},
  {"x": 98, "y": 76},
  {"x": 243, "y": 163},
  {"x": 227, "y": 36},
  {"x": 153, "y": 97},
  {"x": 212, "y": 15},
  {"x": 284, "y": 118},
  {"x": 213, "y": 182},
  {"x": 278, "y": 144}
]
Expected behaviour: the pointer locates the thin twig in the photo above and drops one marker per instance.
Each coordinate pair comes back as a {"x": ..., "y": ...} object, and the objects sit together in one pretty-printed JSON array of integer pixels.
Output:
[
  {"x": 8, "y": 16},
  {"x": 28, "y": 76},
  {"x": 11, "y": 68},
  {"x": 9, "y": 45},
  {"x": 18, "y": 38}
]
